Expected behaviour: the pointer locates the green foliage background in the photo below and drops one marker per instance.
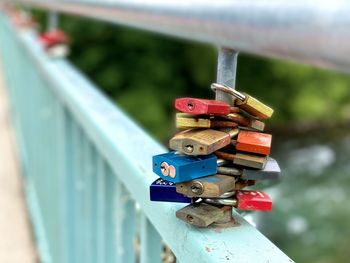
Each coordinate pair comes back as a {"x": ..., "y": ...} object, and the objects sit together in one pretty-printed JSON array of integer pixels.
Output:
[{"x": 144, "y": 73}]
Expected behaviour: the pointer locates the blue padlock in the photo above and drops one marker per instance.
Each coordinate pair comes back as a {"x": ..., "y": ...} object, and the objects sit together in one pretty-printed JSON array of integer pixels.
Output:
[
  {"x": 177, "y": 168},
  {"x": 165, "y": 191}
]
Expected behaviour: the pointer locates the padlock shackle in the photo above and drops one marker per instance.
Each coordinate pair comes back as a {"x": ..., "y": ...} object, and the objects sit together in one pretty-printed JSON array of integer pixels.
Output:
[
  {"x": 225, "y": 156},
  {"x": 221, "y": 201},
  {"x": 216, "y": 86},
  {"x": 233, "y": 132},
  {"x": 221, "y": 162},
  {"x": 229, "y": 171}
]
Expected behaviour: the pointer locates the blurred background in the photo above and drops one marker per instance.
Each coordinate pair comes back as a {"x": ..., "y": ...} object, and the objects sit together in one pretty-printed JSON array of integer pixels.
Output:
[{"x": 143, "y": 73}]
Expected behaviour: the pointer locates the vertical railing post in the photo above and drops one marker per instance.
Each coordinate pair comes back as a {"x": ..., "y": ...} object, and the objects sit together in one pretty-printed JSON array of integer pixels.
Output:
[
  {"x": 52, "y": 21},
  {"x": 226, "y": 72},
  {"x": 226, "y": 75}
]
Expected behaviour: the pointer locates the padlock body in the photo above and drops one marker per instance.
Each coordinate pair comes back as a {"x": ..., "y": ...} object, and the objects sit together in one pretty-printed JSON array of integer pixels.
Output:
[
  {"x": 255, "y": 107},
  {"x": 186, "y": 121},
  {"x": 202, "y": 106},
  {"x": 254, "y": 142},
  {"x": 253, "y": 200},
  {"x": 165, "y": 191},
  {"x": 184, "y": 167},
  {"x": 202, "y": 214},
  {"x": 250, "y": 160},
  {"x": 271, "y": 171},
  {"x": 245, "y": 122},
  {"x": 212, "y": 186},
  {"x": 199, "y": 141}
]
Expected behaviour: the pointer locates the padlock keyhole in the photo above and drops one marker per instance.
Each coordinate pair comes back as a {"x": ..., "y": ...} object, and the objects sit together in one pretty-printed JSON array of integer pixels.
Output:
[
  {"x": 189, "y": 148},
  {"x": 190, "y": 106},
  {"x": 190, "y": 218}
]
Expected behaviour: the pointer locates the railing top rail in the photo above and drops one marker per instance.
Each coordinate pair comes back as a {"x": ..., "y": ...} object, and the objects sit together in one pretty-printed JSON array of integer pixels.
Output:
[{"x": 308, "y": 31}]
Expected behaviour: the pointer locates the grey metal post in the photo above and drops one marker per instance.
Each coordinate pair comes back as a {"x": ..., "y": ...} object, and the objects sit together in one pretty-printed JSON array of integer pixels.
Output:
[
  {"x": 52, "y": 21},
  {"x": 226, "y": 73}
]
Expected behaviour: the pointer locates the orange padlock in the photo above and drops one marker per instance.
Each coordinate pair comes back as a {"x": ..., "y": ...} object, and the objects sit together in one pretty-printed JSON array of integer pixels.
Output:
[{"x": 254, "y": 142}]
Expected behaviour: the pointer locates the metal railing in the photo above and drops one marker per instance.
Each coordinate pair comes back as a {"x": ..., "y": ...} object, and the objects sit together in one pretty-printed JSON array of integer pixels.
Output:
[{"x": 309, "y": 31}]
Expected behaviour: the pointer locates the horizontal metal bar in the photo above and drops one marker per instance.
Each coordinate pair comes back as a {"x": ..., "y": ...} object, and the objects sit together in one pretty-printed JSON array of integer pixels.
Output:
[
  {"x": 118, "y": 139},
  {"x": 309, "y": 31}
]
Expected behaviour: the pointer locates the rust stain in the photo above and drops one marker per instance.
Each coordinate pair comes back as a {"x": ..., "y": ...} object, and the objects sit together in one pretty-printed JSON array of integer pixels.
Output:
[{"x": 208, "y": 249}]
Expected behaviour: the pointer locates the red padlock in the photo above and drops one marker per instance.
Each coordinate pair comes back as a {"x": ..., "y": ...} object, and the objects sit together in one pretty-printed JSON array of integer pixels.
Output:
[
  {"x": 253, "y": 200},
  {"x": 244, "y": 200},
  {"x": 52, "y": 38},
  {"x": 254, "y": 142},
  {"x": 202, "y": 106}
]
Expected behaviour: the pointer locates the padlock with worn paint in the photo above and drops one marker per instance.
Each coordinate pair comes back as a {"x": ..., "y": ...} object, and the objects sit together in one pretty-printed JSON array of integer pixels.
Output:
[
  {"x": 175, "y": 167},
  {"x": 271, "y": 171},
  {"x": 244, "y": 159},
  {"x": 201, "y": 141},
  {"x": 203, "y": 215},
  {"x": 253, "y": 142},
  {"x": 204, "y": 107},
  {"x": 246, "y": 102},
  {"x": 165, "y": 191},
  {"x": 187, "y": 121},
  {"x": 209, "y": 186},
  {"x": 247, "y": 123},
  {"x": 212, "y": 186},
  {"x": 244, "y": 200}
]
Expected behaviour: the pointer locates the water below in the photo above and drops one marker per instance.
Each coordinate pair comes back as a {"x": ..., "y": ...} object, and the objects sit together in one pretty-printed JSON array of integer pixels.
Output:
[{"x": 310, "y": 220}]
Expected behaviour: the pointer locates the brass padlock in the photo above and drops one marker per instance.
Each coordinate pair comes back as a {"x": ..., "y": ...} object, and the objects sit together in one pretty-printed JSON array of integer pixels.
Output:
[
  {"x": 249, "y": 160},
  {"x": 245, "y": 122},
  {"x": 246, "y": 102},
  {"x": 201, "y": 141},
  {"x": 187, "y": 121},
  {"x": 203, "y": 215},
  {"x": 209, "y": 186}
]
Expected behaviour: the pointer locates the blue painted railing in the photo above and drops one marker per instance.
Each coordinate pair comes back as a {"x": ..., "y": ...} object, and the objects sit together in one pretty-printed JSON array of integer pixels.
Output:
[{"x": 87, "y": 169}]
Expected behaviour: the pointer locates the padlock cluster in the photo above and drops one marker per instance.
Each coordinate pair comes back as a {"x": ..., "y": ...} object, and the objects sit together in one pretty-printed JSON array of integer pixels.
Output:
[
  {"x": 219, "y": 151},
  {"x": 55, "y": 43}
]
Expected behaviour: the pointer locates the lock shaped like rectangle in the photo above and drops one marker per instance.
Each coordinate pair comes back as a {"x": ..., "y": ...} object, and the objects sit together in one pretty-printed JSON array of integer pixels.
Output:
[
  {"x": 200, "y": 141},
  {"x": 271, "y": 171},
  {"x": 178, "y": 168},
  {"x": 165, "y": 191},
  {"x": 244, "y": 200},
  {"x": 255, "y": 107},
  {"x": 209, "y": 186},
  {"x": 244, "y": 121},
  {"x": 203, "y": 215},
  {"x": 250, "y": 160},
  {"x": 253, "y": 200},
  {"x": 246, "y": 102},
  {"x": 202, "y": 106},
  {"x": 244, "y": 159},
  {"x": 188, "y": 121},
  {"x": 254, "y": 142}
]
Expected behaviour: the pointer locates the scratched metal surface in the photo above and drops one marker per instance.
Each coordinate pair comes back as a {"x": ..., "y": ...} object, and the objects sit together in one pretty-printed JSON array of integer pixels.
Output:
[
  {"x": 86, "y": 163},
  {"x": 309, "y": 31}
]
